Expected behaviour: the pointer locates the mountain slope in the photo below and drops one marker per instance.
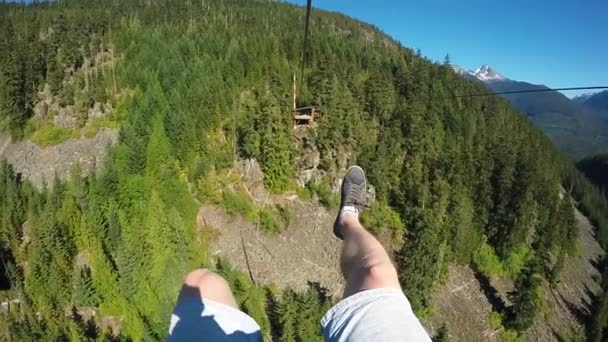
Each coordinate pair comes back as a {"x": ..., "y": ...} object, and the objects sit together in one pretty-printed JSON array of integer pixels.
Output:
[
  {"x": 596, "y": 103},
  {"x": 208, "y": 85},
  {"x": 576, "y": 130},
  {"x": 596, "y": 169}
]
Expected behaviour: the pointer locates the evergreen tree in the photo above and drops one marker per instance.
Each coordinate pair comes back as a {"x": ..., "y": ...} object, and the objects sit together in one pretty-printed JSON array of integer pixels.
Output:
[
  {"x": 526, "y": 298},
  {"x": 275, "y": 145}
]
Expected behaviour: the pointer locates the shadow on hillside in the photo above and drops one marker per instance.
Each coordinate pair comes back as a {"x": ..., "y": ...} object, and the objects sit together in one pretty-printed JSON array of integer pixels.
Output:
[
  {"x": 580, "y": 312},
  {"x": 600, "y": 263},
  {"x": 491, "y": 294}
]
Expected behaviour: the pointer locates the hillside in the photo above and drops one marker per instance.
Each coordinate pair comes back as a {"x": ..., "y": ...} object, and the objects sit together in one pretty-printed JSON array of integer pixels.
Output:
[
  {"x": 576, "y": 131},
  {"x": 574, "y": 127},
  {"x": 596, "y": 169},
  {"x": 596, "y": 103},
  {"x": 201, "y": 93}
]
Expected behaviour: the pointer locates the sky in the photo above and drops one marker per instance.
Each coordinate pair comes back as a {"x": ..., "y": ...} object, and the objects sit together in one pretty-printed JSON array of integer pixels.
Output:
[{"x": 557, "y": 43}]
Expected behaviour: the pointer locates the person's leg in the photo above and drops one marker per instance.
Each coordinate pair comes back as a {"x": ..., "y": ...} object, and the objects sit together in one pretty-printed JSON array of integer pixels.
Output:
[
  {"x": 203, "y": 283},
  {"x": 382, "y": 313},
  {"x": 365, "y": 263}
]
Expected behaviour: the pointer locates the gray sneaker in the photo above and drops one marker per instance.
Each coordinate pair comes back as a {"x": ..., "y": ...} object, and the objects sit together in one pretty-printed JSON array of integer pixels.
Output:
[{"x": 353, "y": 193}]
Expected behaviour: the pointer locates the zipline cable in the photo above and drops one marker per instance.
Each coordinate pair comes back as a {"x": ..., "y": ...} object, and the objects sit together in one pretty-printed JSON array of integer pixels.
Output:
[
  {"x": 530, "y": 91},
  {"x": 305, "y": 47}
]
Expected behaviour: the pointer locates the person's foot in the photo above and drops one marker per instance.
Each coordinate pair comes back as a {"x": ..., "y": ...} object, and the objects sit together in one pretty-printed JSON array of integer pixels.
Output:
[{"x": 353, "y": 196}]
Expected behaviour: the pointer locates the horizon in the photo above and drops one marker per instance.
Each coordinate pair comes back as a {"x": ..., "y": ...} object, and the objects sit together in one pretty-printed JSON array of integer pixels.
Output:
[{"x": 551, "y": 43}]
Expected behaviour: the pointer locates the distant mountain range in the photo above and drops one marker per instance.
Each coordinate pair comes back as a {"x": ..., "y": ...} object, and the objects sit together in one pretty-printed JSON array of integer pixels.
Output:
[
  {"x": 596, "y": 103},
  {"x": 578, "y": 126}
]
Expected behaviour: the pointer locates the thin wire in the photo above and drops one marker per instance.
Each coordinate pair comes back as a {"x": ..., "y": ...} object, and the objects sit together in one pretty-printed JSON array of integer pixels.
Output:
[
  {"x": 305, "y": 47},
  {"x": 530, "y": 91}
]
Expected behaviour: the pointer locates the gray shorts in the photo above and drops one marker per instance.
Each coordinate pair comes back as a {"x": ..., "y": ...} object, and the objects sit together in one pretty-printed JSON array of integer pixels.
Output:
[{"x": 371, "y": 315}]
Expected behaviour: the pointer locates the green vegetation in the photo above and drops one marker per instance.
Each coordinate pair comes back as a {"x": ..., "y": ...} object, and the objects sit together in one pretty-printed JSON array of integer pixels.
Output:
[
  {"x": 461, "y": 180},
  {"x": 238, "y": 204},
  {"x": 268, "y": 221},
  {"x": 323, "y": 194},
  {"x": 487, "y": 262},
  {"x": 48, "y": 134},
  {"x": 526, "y": 298},
  {"x": 380, "y": 217},
  {"x": 495, "y": 319},
  {"x": 596, "y": 169},
  {"x": 442, "y": 335},
  {"x": 510, "y": 336}
]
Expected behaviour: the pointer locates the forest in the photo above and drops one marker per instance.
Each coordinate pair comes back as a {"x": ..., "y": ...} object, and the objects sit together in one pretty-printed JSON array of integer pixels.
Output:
[{"x": 197, "y": 85}]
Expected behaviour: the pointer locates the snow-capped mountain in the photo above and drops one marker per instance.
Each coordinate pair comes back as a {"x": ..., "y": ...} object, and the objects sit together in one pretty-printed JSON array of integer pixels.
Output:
[
  {"x": 487, "y": 73},
  {"x": 484, "y": 73},
  {"x": 583, "y": 97}
]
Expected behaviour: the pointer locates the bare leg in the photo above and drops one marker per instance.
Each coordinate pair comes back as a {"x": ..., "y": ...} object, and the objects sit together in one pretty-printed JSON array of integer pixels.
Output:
[
  {"x": 365, "y": 264},
  {"x": 203, "y": 283}
]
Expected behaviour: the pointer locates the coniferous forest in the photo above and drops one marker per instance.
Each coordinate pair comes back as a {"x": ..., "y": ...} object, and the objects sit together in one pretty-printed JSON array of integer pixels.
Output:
[{"x": 196, "y": 85}]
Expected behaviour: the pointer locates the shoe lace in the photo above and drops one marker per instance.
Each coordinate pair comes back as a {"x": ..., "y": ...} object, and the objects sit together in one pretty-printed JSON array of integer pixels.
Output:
[{"x": 354, "y": 194}]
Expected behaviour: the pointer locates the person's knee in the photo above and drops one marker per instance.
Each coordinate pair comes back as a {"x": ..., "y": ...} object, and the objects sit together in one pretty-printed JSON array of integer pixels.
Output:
[
  {"x": 203, "y": 278},
  {"x": 203, "y": 283},
  {"x": 381, "y": 275}
]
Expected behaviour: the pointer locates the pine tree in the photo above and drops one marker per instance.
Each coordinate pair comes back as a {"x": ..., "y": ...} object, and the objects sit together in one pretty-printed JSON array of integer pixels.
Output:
[
  {"x": 287, "y": 311},
  {"x": 442, "y": 334},
  {"x": 526, "y": 298},
  {"x": 275, "y": 150},
  {"x": 83, "y": 293}
]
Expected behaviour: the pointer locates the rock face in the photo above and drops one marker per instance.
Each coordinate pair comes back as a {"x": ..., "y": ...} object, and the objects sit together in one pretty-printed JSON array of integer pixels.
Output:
[
  {"x": 250, "y": 168},
  {"x": 66, "y": 118},
  {"x": 40, "y": 165},
  {"x": 99, "y": 110},
  {"x": 308, "y": 163},
  {"x": 308, "y": 158}
]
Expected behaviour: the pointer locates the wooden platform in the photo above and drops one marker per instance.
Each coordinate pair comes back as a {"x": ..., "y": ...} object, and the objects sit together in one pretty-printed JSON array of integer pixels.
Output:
[{"x": 305, "y": 115}]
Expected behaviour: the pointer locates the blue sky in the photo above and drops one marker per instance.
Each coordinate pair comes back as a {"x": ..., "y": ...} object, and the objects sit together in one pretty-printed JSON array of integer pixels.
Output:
[{"x": 558, "y": 43}]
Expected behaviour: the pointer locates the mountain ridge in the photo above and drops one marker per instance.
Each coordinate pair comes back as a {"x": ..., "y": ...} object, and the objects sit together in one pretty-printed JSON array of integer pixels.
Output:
[
  {"x": 596, "y": 103},
  {"x": 575, "y": 129}
]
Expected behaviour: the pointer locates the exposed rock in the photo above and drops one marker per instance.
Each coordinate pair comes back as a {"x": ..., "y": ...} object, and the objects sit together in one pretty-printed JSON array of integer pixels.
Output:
[
  {"x": 306, "y": 176},
  {"x": 82, "y": 259},
  {"x": 45, "y": 100},
  {"x": 25, "y": 238},
  {"x": 370, "y": 195},
  {"x": 5, "y": 141},
  {"x": 112, "y": 323},
  {"x": 250, "y": 168},
  {"x": 40, "y": 165},
  {"x": 308, "y": 157},
  {"x": 65, "y": 118},
  {"x": 41, "y": 109},
  {"x": 86, "y": 313},
  {"x": 100, "y": 110}
]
